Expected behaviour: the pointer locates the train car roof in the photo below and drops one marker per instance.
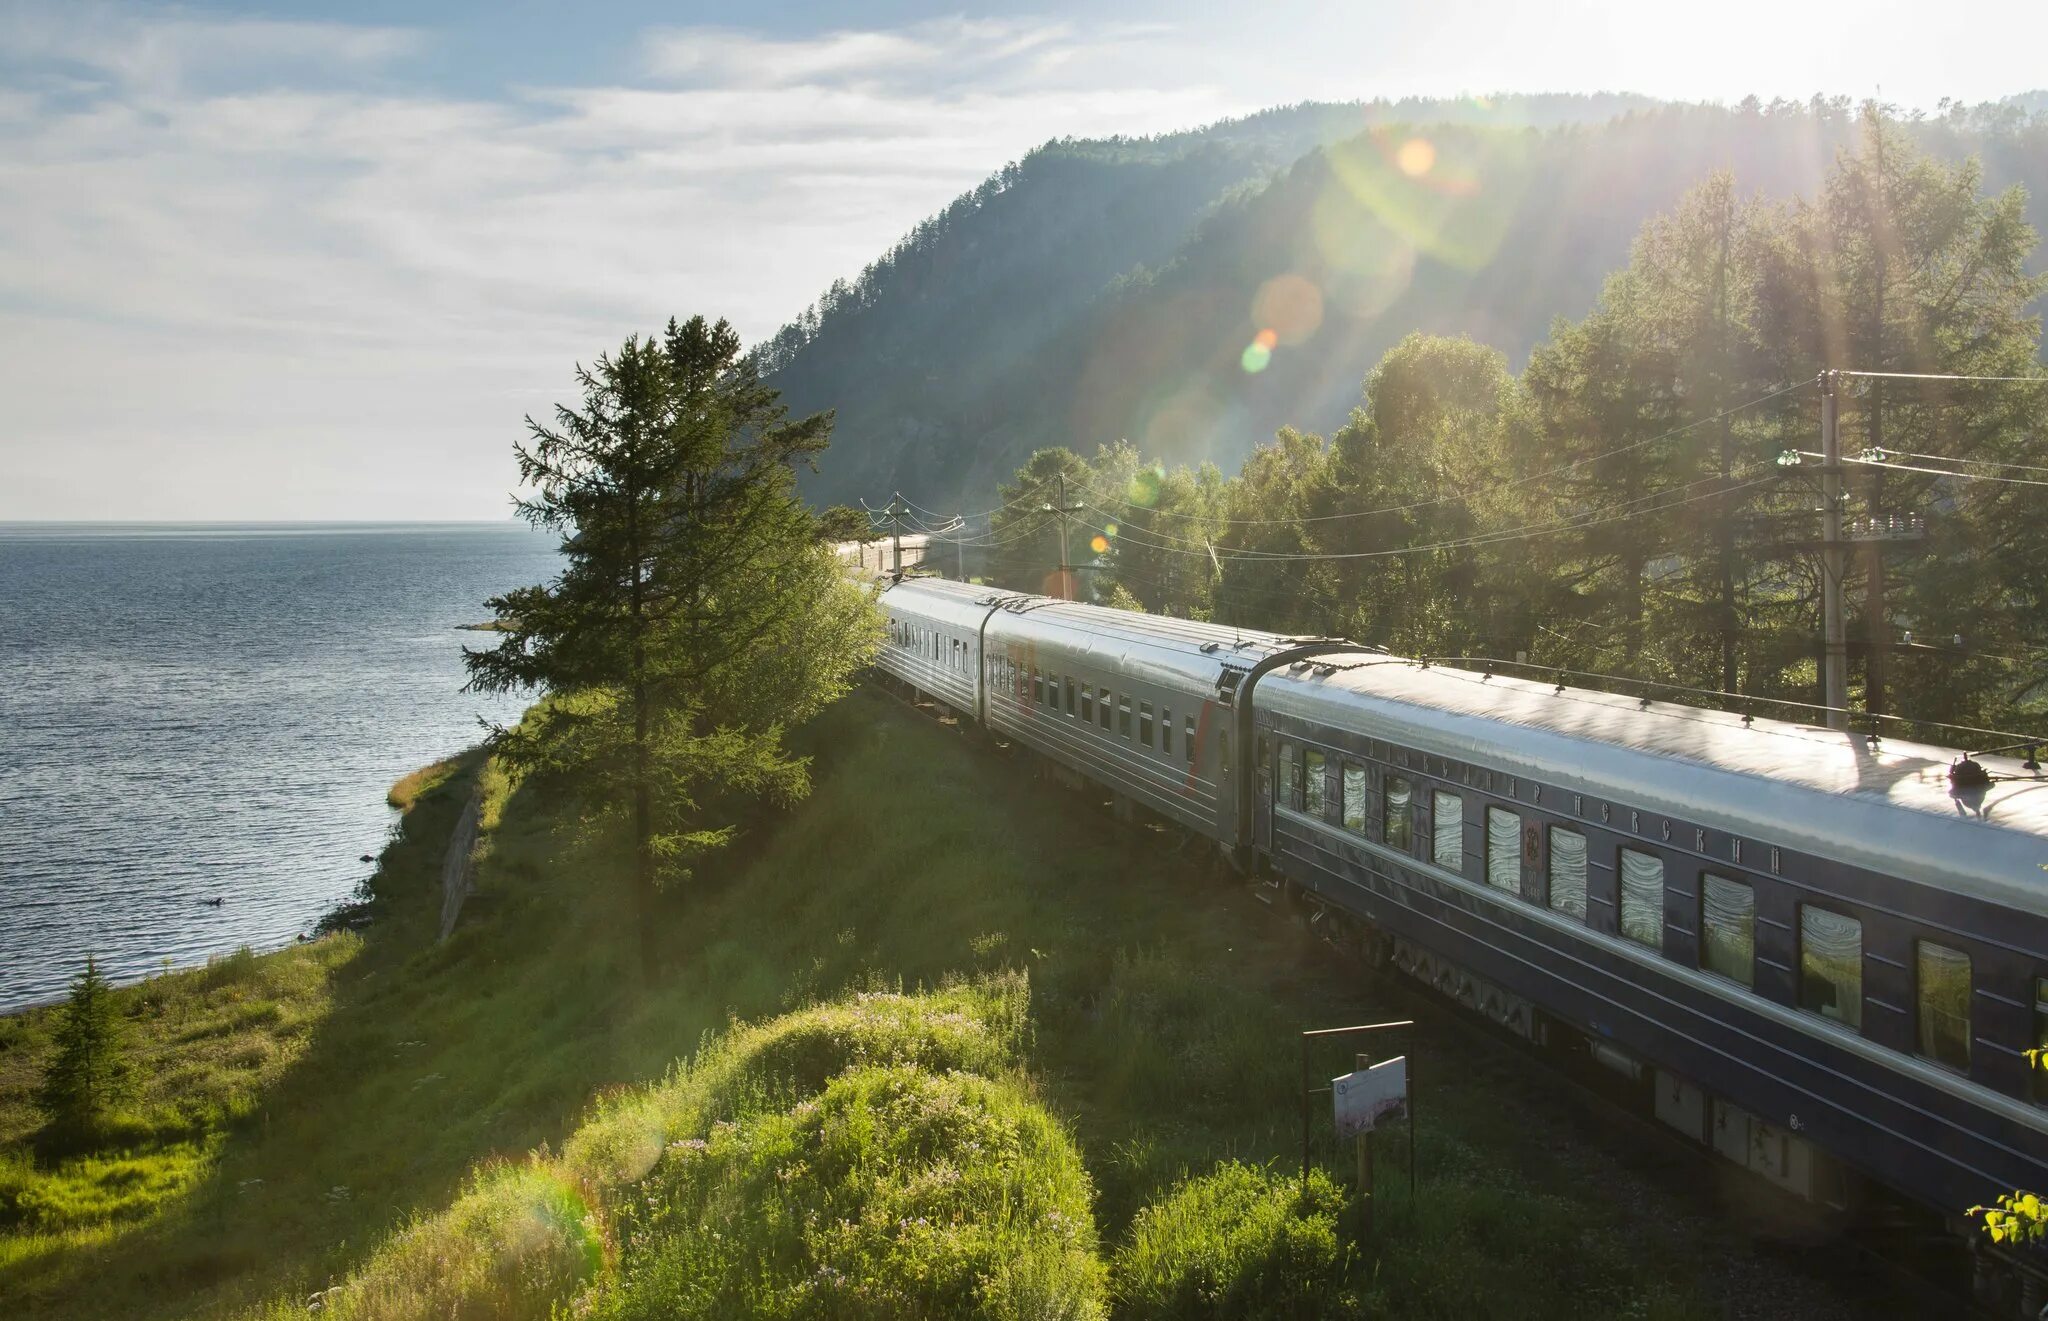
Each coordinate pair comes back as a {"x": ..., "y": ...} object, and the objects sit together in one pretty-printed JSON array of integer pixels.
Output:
[
  {"x": 1890, "y": 808},
  {"x": 948, "y": 601}
]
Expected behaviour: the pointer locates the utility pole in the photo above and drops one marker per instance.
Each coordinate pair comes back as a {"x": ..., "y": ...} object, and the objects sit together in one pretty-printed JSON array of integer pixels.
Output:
[
  {"x": 1833, "y": 563},
  {"x": 896, "y": 511},
  {"x": 1062, "y": 510},
  {"x": 1877, "y": 647}
]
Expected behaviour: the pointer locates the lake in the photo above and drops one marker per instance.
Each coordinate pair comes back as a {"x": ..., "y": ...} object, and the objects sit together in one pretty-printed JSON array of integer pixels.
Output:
[{"x": 192, "y": 713}]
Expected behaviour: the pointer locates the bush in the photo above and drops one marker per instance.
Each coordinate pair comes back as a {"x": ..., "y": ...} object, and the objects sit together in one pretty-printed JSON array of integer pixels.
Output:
[
  {"x": 520, "y": 1240},
  {"x": 772, "y": 1065},
  {"x": 1239, "y": 1242},
  {"x": 897, "y": 1192}
]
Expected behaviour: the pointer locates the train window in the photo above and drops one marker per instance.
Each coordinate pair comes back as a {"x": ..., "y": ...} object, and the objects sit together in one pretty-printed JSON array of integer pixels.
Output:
[
  {"x": 1568, "y": 872},
  {"x": 1398, "y": 830},
  {"x": 1728, "y": 928},
  {"x": 1642, "y": 898},
  {"x": 1356, "y": 804},
  {"x": 1037, "y": 687},
  {"x": 1288, "y": 794},
  {"x": 1166, "y": 731},
  {"x": 1447, "y": 838},
  {"x": 1087, "y": 703},
  {"x": 1123, "y": 718},
  {"x": 1145, "y": 723},
  {"x": 1503, "y": 850},
  {"x": 1187, "y": 743},
  {"x": 1315, "y": 785},
  {"x": 1942, "y": 978},
  {"x": 1069, "y": 682},
  {"x": 1831, "y": 965},
  {"x": 1102, "y": 700}
]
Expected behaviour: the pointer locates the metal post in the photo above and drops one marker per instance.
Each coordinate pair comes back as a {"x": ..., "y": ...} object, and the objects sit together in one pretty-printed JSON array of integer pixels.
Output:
[
  {"x": 896, "y": 512},
  {"x": 1364, "y": 1140},
  {"x": 1833, "y": 563}
]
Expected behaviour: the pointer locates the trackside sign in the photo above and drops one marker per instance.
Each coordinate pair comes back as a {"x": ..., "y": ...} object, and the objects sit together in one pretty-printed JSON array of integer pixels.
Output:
[{"x": 1363, "y": 1098}]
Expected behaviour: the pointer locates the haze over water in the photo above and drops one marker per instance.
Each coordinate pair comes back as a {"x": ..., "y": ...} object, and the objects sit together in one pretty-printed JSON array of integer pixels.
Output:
[{"x": 192, "y": 712}]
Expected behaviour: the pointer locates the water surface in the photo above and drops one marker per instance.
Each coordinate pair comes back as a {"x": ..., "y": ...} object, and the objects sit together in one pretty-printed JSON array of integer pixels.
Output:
[{"x": 200, "y": 712}]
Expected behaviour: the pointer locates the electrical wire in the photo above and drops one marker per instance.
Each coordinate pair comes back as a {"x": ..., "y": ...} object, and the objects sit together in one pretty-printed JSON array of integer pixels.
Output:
[
  {"x": 1488, "y": 490},
  {"x": 1931, "y": 472},
  {"x": 1477, "y": 539},
  {"x": 1942, "y": 376}
]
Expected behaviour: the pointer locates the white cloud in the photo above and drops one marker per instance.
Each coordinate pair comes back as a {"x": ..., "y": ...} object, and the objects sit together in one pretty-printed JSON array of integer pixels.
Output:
[{"x": 232, "y": 295}]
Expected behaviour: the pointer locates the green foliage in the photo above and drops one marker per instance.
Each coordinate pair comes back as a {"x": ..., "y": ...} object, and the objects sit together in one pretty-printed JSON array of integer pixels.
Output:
[
  {"x": 91, "y": 1073},
  {"x": 895, "y": 1192},
  {"x": 1096, "y": 290},
  {"x": 697, "y": 616},
  {"x": 1239, "y": 1242},
  {"x": 518, "y": 1241},
  {"x": 1617, "y": 508},
  {"x": 2017, "y": 1218}
]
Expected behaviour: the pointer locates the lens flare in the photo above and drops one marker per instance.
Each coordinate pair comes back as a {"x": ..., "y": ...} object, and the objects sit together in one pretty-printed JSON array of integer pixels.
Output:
[
  {"x": 1109, "y": 529},
  {"x": 1255, "y": 358},
  {"x": 1099, "y": 544},
  {"x": 1416, "y": 157},
  {"x": 1290, "y": 307}
]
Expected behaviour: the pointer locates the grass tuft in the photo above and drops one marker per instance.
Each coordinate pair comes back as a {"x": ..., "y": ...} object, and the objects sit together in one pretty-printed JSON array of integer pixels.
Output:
[{"x": 1240, "y": 1242}]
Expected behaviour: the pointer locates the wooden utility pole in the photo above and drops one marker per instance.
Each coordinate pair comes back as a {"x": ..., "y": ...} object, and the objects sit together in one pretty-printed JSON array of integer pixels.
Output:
[{"x": 1833, "y": 563}]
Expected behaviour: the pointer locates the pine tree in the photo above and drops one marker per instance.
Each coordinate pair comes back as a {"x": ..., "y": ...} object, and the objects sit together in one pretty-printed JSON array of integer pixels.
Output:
[
  {"x": 698, "y": 614},
  {"x": 92, "y": 1073}
]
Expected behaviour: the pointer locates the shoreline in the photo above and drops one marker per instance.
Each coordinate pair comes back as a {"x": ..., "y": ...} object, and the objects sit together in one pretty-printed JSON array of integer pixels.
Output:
[{"x": 353, "y": 914}]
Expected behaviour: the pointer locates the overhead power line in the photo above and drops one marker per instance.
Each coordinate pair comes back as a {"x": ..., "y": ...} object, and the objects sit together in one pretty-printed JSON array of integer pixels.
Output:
[
  {"x": 1943, "y": 376},
  {"x": 1466, "y": 495}
]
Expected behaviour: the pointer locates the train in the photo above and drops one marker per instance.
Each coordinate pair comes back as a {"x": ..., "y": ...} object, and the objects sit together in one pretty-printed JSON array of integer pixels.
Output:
[{"x": 1818, "y": 955}]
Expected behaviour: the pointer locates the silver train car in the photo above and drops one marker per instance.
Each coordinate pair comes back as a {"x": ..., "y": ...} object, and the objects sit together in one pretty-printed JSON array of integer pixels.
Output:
[{"x": 1807, "y": 952}]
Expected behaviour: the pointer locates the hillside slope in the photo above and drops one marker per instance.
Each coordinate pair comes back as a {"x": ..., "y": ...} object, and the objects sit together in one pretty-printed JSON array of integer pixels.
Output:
[{"x": 1105, "y": 290}]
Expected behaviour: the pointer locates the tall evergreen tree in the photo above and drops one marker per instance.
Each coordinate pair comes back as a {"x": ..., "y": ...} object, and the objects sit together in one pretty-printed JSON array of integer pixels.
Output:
[
  {"x": 91, "y": 1074},
  {"x": 698, "y": 614}
]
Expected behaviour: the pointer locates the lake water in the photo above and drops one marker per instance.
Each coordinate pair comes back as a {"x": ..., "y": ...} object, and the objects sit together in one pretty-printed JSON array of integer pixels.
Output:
[{"x": 190, "y": 713}]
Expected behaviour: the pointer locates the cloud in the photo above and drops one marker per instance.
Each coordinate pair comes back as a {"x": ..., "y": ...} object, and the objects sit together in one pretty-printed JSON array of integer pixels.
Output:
[
  {"x": 165, "y": 52},
  {"x": 246, "y": 270},
  {"x": 939, "y": 52}
]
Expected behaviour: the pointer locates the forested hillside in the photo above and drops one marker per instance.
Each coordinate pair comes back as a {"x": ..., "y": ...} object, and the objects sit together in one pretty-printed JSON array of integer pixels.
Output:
[
  {"x": 1643, "y": 497},
  {"x": 1194, "y": 293}
]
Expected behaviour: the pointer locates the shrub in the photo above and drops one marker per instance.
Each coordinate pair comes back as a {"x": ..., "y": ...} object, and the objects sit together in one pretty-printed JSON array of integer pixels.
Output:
[
  {"x": 897, "y": 1192},
  {"x": 1239, "y": 1242},
  {"x": 520, "y": 1240},
  {"x": 772, "y": 1065}
]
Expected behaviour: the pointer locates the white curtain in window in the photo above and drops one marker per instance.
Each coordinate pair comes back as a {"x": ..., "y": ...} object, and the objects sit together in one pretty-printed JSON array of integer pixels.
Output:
[
  {"x": 1503, "y": 849},
  {"x": 1642, "y": 897},
  {"x": 1568, "y": 872}
]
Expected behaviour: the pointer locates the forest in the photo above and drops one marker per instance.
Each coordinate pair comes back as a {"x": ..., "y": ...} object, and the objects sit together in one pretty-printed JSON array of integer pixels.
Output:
[
  {"x": 1105, "y": 290},
  {"x": 1642, "y": 500}
]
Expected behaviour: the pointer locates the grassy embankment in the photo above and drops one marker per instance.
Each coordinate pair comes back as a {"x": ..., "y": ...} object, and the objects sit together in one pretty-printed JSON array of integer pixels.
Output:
[{"x": 1147, "y": 1010}]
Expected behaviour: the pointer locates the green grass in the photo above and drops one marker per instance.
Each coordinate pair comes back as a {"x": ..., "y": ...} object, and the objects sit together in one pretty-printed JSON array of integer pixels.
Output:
[{"x": 1162, "y": 1008}]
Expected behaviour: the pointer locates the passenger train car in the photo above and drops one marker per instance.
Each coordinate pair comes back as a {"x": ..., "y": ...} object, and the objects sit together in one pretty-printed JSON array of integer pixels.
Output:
[{"x": 1810, "y": 952}]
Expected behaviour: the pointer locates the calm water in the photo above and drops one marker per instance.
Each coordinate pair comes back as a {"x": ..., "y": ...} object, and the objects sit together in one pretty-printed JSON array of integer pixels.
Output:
[{"x": 199, "y": 712}]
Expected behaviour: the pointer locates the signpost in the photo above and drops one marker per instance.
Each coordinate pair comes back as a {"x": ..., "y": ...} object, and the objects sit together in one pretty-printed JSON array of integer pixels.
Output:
[{"x": 1360, "y": 1100}]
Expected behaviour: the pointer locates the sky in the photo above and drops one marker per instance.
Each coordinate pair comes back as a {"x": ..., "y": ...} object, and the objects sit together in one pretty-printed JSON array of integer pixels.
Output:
[{"x": 310, "y": 260}]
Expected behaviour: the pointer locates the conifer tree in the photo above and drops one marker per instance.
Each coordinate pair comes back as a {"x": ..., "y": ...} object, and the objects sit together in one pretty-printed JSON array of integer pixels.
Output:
[
  {"x": 698, "y": 613},
  {"x": 91, "y": 1074}
]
